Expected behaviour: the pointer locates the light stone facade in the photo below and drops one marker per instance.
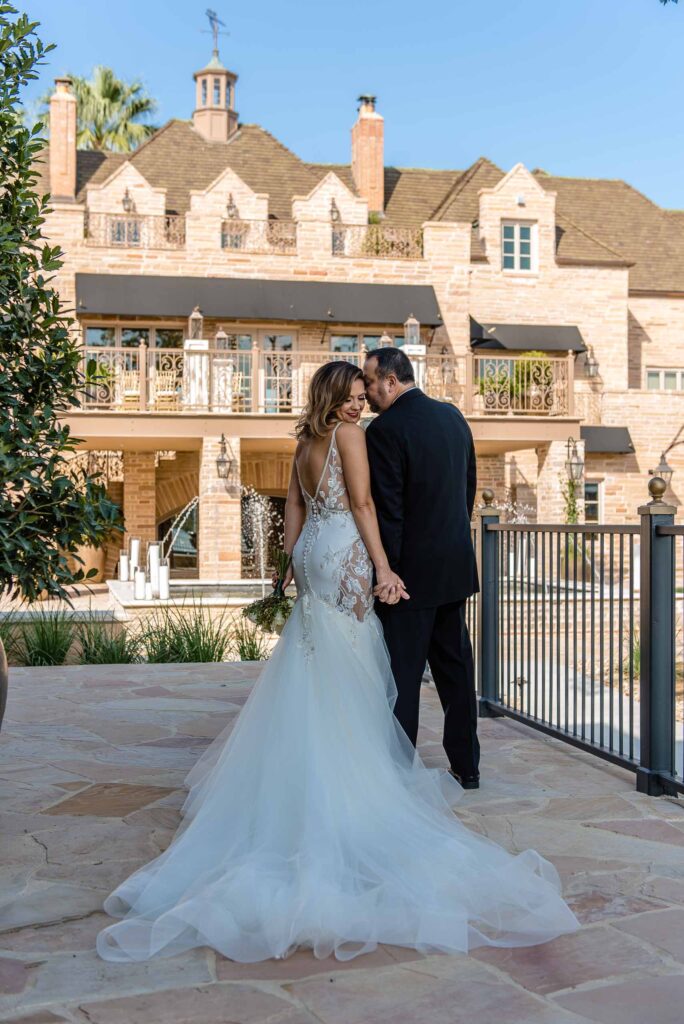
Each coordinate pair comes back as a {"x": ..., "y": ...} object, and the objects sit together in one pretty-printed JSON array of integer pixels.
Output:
[{"x": 523, "y": 459}]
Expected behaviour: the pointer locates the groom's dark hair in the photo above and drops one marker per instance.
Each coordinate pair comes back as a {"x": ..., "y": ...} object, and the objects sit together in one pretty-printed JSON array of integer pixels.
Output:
[{"x": 393, "y": 360}]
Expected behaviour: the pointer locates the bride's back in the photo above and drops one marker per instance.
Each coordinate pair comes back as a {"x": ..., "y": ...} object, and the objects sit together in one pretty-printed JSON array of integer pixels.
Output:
[
  {"x": 320, "y": 472},
  {"x": 311, "y": 457}
]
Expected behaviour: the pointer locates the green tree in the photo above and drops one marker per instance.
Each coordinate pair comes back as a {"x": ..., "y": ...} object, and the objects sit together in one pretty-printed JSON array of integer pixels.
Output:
[
  {"x": 111, "y": 113},
  {"x": 47, "y": 509}
]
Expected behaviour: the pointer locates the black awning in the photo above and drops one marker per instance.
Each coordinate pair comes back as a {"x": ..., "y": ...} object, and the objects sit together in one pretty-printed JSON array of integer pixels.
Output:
[
  {"x": 607, "y": 440},
  {"x": 247, "y": 299},
  {"x": 526, "y": 337}
]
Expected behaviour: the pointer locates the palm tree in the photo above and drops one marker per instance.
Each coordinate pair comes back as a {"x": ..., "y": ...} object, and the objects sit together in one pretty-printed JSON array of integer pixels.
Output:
[{"x": 111, "y": 112}]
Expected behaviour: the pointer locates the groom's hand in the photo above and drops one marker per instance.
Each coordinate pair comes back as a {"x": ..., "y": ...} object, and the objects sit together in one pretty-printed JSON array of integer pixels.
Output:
[{"x": 390, "y": 588}]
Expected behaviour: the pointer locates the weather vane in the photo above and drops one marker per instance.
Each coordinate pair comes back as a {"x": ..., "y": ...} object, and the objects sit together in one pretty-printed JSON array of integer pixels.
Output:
[{"x": 214, "y": 22}]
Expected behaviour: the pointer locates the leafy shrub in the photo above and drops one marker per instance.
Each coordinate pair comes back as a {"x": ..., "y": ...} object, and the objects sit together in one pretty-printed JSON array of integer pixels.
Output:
[
  {"x": 249, "y": 643},
  {"x": 103, "y": 643},
  {"x": 174, "y": 636},
  {"x": 46, "y": 639}
]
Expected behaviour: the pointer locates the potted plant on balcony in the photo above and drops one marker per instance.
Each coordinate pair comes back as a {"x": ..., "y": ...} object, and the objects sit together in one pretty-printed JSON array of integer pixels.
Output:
[
  {"x": 520, "y": 384},
  {"x": 46, "y": 512}
]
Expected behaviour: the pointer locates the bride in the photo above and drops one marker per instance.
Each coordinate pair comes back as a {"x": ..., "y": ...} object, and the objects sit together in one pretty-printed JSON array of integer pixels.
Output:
[{"x": 314, "y": 823}]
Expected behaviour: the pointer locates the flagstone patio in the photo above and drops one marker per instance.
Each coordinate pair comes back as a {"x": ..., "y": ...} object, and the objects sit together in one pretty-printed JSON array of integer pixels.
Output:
[{"x": 92, "y": 761}]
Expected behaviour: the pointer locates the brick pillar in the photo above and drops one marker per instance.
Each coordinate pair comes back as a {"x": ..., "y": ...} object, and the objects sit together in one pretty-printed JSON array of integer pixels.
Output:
[
  {"x": 551, "y": 480},
  {"x": 63, "y": 141},
  {"x": 139, "y": 496},
  {"x": 368, "y": 155},
  {"x": 219, "y": 515}
]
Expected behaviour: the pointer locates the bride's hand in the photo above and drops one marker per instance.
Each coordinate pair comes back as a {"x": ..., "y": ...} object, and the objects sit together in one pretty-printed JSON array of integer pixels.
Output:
[
  {"x": 287, "y": 580},
  {"x": 390, "y": 587}
]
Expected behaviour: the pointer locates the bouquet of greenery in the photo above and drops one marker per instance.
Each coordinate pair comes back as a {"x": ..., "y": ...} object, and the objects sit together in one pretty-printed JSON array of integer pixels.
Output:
[{"x": 272, "y": 612}]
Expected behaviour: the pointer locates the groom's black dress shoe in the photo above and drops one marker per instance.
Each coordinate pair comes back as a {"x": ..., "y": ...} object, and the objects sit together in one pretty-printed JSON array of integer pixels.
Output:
[{"x": 467, "y": 781}]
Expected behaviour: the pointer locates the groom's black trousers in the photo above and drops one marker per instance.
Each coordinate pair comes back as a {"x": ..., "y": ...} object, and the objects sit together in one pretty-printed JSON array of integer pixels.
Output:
[{"x": 440, "y": 637}]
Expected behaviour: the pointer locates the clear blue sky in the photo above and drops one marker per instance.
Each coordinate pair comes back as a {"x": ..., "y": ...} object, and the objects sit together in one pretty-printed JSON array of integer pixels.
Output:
[{"x": 589, "y": 88}]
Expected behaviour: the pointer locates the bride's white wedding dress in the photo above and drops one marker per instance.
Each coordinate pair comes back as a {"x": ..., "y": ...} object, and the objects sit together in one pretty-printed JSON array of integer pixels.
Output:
[{"x": 314, "y": 823}]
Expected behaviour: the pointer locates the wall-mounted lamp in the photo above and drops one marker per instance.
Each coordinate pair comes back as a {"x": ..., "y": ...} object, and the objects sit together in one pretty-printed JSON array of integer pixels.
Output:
[
  {"x": 591, "y": 366},
  {"x": 226, "y": 463},
  {"x": 574, "y": 465}
]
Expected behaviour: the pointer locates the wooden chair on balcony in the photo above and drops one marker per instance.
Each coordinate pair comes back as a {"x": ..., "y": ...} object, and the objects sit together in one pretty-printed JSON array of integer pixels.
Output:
[
  {"x": 441, "y": 383},
  {"x": 238, "y": 401},
  {"x": 166, "y": 397},
  {"x": 127, "y": 389}
]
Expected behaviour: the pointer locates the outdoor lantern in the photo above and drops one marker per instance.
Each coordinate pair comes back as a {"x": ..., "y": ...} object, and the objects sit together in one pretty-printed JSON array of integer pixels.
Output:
[
  {"x": 232, "y": 212},
  {"x": 127, "y": 202},
  {"x": 663, "y": 469},
  {"x": 195, "y": 324},
  {"x": 335, "y": 215},
  {"x": 591, "y": 366},
  {"x": 574, "y": 465},
  {"x": 386, "y": 340},
  {"x": 226, "y": 463},
  {"x": 221, "y": 339},
  {"x": 412, "y": 331}
]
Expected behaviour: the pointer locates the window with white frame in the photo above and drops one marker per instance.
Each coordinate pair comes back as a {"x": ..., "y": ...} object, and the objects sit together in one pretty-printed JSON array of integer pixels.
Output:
[
  {"x": 665, "y": 380},
  {"x": 592, "y": 501},
  {"x": 130, "y": 336},
  {"x": 517, "y": 245},
  {"x": 344, "y": 343}
]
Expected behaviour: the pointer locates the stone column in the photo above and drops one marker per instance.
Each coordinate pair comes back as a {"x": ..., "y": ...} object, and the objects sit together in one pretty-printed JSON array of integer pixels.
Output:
[
  {"x": 139, "y": 496},
  {"x": 551, "y": 481},
  {"x": 220, "y": 555}
]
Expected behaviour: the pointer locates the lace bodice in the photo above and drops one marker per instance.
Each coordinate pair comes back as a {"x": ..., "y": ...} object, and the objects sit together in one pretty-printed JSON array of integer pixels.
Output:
[{"x": 330, "y": 560}]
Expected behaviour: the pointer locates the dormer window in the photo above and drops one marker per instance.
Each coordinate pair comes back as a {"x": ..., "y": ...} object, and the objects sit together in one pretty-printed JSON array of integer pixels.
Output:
[{"x": 517, "y": 240}]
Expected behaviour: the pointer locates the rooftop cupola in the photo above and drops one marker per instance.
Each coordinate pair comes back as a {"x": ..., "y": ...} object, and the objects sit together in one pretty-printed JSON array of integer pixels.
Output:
[{"x": 214, "y": 116}]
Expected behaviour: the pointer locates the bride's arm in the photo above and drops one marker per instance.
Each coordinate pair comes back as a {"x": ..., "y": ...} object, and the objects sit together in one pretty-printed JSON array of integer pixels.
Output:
[
  {"x": 351, "y": 441},
  {"x": 295, "y": 514}
]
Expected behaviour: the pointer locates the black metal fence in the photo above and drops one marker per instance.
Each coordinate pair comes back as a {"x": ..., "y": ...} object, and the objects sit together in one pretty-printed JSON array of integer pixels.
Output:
[{"x": 578, "y": 634}]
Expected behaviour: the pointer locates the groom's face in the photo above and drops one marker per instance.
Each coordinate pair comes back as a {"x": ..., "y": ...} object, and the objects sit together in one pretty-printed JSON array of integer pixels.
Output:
[{"x": 380, "y": 392}]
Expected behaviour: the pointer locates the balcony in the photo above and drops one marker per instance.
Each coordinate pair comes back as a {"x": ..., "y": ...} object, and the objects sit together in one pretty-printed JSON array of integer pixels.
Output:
[
  {"x": 134, "y": 231},
  {"x": 377, "y": 241},
  {"x": 259, "y": 236},
  {"x": 261, "y": 382}
]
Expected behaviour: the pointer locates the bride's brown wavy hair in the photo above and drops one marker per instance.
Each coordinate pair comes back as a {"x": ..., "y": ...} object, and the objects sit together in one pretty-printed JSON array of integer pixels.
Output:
[{"x": 328, "y": 391}]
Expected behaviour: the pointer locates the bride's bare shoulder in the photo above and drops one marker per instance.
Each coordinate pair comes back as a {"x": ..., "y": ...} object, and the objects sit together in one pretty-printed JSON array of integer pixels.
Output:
[{"x": 351, "y": 434}]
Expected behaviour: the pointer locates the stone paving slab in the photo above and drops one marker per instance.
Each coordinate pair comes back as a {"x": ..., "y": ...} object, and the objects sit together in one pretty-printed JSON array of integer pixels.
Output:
[{"x": 92, "y": 761}]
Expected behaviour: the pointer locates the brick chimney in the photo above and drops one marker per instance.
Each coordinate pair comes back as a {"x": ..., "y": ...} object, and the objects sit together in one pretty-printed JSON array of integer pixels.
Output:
[
  {"x": 368, "y": 155},
  {"x": 63, "y": 141}
]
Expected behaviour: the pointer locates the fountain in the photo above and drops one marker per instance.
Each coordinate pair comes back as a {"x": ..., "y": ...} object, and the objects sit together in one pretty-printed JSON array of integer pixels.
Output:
[{"x": 261, "y": 525}]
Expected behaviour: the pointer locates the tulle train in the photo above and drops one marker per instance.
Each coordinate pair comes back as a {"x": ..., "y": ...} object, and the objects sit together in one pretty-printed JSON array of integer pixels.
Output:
[{"x": 315, "y": 824}]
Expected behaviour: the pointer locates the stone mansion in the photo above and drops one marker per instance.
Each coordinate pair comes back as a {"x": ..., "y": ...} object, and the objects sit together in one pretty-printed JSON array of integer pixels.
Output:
[{"x": 212, "y": 271}]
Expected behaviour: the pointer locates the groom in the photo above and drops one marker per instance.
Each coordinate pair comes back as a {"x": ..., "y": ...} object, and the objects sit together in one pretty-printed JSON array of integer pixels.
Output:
[{"x": 423, "y": 478}]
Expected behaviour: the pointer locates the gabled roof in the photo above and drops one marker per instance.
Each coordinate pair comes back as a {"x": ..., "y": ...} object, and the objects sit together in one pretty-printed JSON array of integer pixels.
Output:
[
  {"x": 628, "y": 223},
  {"x": 599, "y": 221},
  {"x": 180, "y": 159}
]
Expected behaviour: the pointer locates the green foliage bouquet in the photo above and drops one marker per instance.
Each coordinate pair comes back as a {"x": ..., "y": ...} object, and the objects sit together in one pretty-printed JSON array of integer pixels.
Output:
[{"x": 272, "y": 612}]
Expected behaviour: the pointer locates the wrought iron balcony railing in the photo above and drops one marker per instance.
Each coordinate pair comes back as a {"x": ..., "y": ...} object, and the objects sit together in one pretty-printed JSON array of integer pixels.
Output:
[
  {"x": 253, "y": 381},
  {"x": 377, "y": 241},
  {"x": 134, "y": 231},
  {"x": 259, "y": 236}
]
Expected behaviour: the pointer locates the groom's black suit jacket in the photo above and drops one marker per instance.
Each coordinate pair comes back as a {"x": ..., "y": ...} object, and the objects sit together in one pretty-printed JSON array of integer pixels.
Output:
[{"x": 423, "y": 479}]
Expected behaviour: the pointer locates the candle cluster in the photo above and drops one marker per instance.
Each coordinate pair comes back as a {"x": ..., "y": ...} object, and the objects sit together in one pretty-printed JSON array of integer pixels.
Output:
[{"x": 150, "y": 582}]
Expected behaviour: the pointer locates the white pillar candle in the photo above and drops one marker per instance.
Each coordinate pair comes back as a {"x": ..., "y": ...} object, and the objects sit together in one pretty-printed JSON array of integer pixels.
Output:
[
  {"x": 164, "y": 585},
  {"x": 134, "y": 553},
  {"x": 139, "y": 584},
  {"x": 153, "y": 560},
  {"x": 123, "y": 567}
]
